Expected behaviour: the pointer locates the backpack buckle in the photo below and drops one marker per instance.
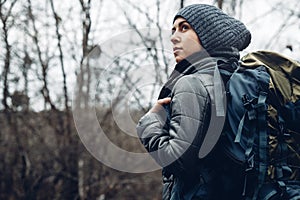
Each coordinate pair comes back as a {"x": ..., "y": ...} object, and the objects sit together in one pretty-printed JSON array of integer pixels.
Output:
[
  {"x": 247, "y": 102},
  {"x": 250, "y": 163}
]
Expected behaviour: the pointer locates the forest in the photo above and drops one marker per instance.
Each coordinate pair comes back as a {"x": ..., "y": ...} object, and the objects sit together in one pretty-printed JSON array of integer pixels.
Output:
[{"x": 75, "y": 77}]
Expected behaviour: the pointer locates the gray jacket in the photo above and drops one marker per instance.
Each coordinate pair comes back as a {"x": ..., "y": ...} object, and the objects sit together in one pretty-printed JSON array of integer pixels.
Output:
[{"x": 174, "y": 136}]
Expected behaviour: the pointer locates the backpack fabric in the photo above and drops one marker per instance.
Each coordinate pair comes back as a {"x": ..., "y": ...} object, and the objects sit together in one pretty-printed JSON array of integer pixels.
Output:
[{"x": 261, "y": 135}]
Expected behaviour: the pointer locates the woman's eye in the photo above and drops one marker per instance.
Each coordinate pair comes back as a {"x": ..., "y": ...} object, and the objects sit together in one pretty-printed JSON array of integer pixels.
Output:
[{"x": 185, "y": 27}]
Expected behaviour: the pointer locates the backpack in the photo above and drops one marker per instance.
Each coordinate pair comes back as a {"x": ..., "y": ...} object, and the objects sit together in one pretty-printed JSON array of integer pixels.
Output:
[{"x": 261, "y": 135}]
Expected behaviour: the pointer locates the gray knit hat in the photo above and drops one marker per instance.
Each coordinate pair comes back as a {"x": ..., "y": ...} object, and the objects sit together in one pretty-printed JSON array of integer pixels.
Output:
[{"x": 214, "y": 28}]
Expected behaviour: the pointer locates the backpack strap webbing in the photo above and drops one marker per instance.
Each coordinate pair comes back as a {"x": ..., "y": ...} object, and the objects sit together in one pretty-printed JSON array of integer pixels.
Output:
[
  {"x": 261, "y": 109},
  {"x": 283, "y": 135}
]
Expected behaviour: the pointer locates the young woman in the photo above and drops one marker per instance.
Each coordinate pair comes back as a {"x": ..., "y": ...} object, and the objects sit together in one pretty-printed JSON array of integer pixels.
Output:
[{"x": 174, "y": 131}]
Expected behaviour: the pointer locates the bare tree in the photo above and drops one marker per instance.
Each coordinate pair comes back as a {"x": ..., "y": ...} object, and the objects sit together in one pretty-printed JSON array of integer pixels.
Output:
[
  {"x": 61, "y": 60},
  {"x": 44, "y": 62},
  {"x": 84, "y": 75},
  {"x": 181, "y": 3},
  {"x": 220, "y": 4},
  {"x": 154, "y": 47},
  {"x": 5, "y": 15}
]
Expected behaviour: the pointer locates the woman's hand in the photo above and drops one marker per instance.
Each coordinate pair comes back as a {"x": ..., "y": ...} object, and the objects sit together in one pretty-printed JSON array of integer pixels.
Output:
[{"x": 158, "y": 106}]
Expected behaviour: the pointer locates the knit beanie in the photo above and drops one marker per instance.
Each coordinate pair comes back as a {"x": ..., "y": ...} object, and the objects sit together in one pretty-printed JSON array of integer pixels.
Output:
[{"x": 214, "y": 28}]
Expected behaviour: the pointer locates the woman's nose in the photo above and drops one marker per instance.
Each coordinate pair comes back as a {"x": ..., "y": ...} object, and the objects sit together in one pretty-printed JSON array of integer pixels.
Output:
[{"x": 175, "y": 38}]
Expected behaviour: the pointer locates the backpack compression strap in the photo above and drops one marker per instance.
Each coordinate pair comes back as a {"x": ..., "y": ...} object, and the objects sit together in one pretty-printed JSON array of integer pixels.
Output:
[{"x": 261, "y": 109}]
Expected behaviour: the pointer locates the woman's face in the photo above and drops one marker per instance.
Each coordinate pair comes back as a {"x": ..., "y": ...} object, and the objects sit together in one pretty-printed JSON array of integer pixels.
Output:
[{"x": 184, "y": 39}]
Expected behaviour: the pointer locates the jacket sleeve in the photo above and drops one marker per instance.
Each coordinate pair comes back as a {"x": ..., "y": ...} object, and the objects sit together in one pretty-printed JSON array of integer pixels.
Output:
[{"x": 176, "y": 142}]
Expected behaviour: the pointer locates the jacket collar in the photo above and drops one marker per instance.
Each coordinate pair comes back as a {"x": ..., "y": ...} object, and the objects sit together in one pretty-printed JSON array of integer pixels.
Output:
[{"x": 199, "y": 62}]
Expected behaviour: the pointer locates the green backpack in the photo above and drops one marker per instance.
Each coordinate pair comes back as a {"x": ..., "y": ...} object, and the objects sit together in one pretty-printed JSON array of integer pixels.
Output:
[{"x": 262, "y": 129}]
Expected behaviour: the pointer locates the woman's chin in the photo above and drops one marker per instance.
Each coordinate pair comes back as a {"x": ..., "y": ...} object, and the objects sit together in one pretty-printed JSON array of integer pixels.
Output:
[{"x": 178, "y": 59}]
